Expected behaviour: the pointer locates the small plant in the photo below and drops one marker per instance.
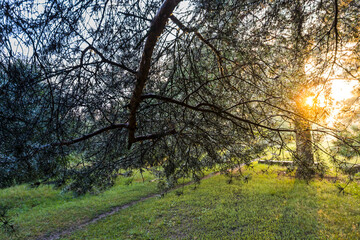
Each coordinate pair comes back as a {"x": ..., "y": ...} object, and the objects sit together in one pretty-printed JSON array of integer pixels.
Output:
[
  {"x": 6, "y": 223},
  {"x": 179, "y": 193},
  {"x": 340, "y": 188},
  {"x": 247, "y": 178},
  {"x": 290, "y": 169}
]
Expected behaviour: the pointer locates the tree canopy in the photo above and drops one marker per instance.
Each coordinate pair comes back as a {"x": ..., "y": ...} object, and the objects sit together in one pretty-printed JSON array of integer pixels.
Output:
[{"x": 180, "y": 84}]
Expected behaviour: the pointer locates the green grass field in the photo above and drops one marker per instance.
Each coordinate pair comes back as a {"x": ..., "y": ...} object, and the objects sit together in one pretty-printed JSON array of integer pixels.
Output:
[
  {"x": 42, "y": 210},
  {"x": 271, "y": 205}
]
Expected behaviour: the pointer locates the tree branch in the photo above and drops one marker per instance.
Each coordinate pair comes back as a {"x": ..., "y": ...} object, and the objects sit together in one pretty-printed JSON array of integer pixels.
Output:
[
  {"x": 218, "y": 111},
  {"x": 186, "y": 29},
  {"x": 104, "y": 59},
  {"x": 335, "y": 25},
  {"x": 156, "y": 28},
  {"x": 90, "y": 135},
  {"x": 155, "y": 136}
]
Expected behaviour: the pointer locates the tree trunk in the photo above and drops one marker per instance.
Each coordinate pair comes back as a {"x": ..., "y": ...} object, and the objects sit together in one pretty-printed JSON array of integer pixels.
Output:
[{"x": 304, "y": 152}]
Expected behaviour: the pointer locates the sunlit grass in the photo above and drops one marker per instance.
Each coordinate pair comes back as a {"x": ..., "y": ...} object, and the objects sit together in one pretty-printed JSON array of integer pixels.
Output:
[{"x": 270, "y": 205}]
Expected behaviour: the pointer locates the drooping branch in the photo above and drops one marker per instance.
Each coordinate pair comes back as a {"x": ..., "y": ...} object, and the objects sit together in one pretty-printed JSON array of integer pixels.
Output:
[
  {"x": 214, "y": 110},
  {"x": 197, "y": 108},
  {"x": 108, "y": 128},
  {"x": 90, "y": 135},
  {"x": 156, "y": 28}
]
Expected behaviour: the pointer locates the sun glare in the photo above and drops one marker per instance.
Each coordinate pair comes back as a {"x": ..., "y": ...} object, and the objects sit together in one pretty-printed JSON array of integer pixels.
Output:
[
  {"x": 318, "y": 101},
  {"x": 342, "y": 89},
  {"x": 309, "y": 101},
  {"x": 339, "y": 89}
]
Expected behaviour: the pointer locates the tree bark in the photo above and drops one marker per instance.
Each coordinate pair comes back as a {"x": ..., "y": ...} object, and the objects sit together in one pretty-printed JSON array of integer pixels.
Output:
[
  {"x": 304, "y": 159},
  {"x": 304, "y": 152},
  {"x": 157, "y": 27}
]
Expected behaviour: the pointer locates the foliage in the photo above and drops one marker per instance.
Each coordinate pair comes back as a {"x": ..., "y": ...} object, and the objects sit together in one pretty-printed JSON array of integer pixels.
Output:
[
  {"x": 135, "y": 84},
  {"x": 6, "y": 223},
  {"x": 26, "y": 124},
  {"x": 348, "y": 146}
]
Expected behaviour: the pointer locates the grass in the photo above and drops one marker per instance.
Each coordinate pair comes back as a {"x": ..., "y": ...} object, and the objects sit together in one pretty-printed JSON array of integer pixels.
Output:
[
  {"x": 269, "y": 206},
  {"x": 42, "y": 210}
]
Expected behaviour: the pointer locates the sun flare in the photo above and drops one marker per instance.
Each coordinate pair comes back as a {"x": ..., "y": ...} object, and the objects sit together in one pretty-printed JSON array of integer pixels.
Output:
[{"x": 332, "y": 101}]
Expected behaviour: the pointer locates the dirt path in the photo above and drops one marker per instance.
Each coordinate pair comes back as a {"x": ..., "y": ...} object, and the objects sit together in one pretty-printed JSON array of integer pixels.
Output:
[{"x": 68, "y": 231}]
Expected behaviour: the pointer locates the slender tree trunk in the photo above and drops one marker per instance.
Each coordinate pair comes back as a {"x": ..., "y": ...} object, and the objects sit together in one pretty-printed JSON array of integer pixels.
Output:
[{"x": 304, "y": 151}]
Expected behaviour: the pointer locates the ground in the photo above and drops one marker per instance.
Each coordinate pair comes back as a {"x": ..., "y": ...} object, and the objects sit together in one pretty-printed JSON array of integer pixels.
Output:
[{"x": 270, "y": 204}]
